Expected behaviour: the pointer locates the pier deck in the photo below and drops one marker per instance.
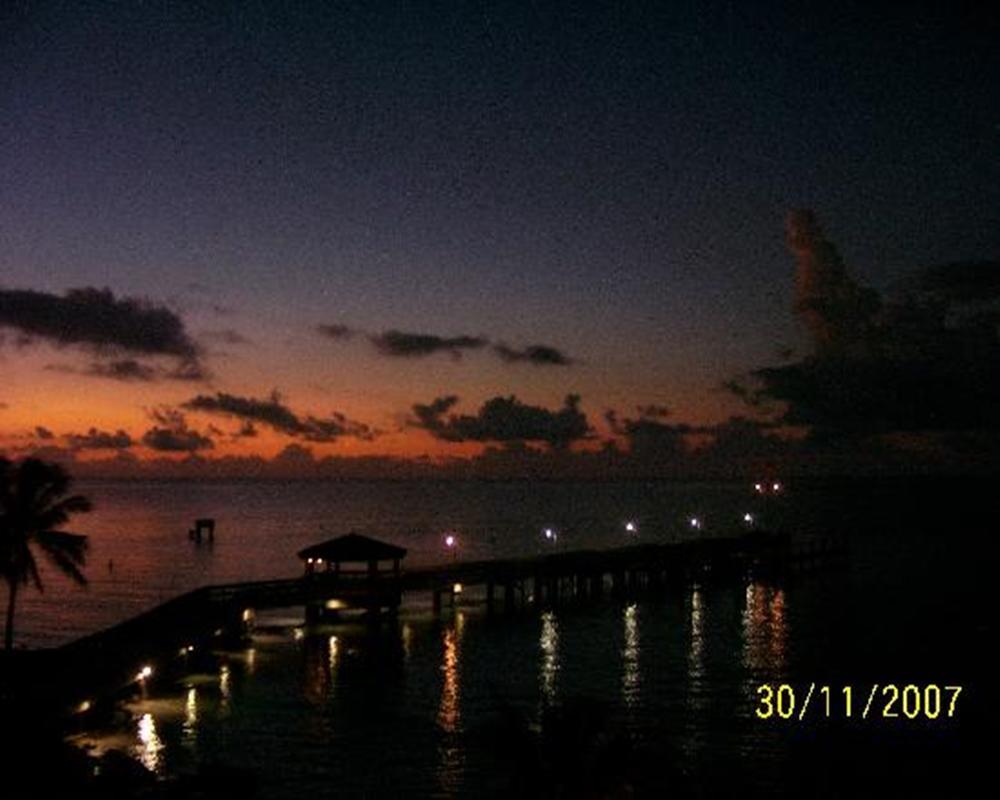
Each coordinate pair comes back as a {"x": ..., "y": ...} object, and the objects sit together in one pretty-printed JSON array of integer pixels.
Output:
[{"x": 111, "y": 659}]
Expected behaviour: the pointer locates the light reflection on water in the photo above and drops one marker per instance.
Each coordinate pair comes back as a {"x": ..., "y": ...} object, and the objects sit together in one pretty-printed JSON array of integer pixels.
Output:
[
  {"x": 697, "y": 681},
  {"x": 451, "y": 764},
  {"x": 334, "y": 646},
  {"x": 190, "y": 729},
  {"x": 448, "y": 710},
  {"x": 630, "y": 657},
  {"x": 548, "y": 641},
  {"x": 225, "y": 690},
  {"x": 343, "y": 673},
  {"x": 765, "y": 632},
  {"x": 150, "y": 747}
]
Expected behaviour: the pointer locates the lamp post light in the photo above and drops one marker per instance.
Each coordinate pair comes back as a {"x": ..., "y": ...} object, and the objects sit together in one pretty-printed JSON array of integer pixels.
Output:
[
  {"x": 451, "y": 543},
  {"x": 631, "y": 527}
]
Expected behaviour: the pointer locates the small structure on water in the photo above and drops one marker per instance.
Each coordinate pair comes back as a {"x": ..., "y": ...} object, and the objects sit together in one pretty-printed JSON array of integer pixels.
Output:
[
  {"x": 203, "y": 527},
  {"x": 373, "y": 586}
]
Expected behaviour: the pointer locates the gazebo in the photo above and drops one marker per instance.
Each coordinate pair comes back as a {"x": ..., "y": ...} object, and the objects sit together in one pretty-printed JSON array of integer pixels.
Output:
[
  {"x": 328, "y": 556},
  {"x": 373, "y": 587}
]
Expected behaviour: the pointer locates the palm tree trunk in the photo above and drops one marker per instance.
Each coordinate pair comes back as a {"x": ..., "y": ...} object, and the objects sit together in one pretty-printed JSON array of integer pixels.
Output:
[{"x": 8, "y": 639}]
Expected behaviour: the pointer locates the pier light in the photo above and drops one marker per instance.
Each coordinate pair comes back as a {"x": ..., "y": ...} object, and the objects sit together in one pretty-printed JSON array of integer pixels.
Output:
[
  {"x": 299, "y": 634},
  {"x": 457, "y": 588},
  {"x": 776, "y": 487},
  {"x": 551, "y": 535},
  {"x": 144, "y": 673},
  {"x": 759, "y": 488},
  {"x": 695, "y": 523},
  {"x": 748, "y": 518},
  {"x": 631, "y": 527},
  {"x": 84, "y": 707}
]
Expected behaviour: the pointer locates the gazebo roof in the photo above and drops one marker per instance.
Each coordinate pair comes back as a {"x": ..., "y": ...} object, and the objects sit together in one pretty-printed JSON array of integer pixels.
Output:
[{"x": 353, "y": 547}]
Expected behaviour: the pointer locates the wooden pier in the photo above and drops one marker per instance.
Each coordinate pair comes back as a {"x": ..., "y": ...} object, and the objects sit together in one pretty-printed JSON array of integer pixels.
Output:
[{"x": 112, "y": 659}]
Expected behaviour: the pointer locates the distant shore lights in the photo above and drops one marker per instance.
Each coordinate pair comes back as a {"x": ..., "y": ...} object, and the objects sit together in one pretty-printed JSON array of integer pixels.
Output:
[
  {"x": 451, "y": 544},
  {"x": 768, "y": 487},
  {"x": 631, "y": 527},
  {"x": 695, "y": 523},
  {"x": 550, "y": 535}
]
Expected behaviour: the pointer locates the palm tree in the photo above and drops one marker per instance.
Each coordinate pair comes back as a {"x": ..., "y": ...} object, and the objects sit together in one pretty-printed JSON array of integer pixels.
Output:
[{"x": 34, "y": 504}]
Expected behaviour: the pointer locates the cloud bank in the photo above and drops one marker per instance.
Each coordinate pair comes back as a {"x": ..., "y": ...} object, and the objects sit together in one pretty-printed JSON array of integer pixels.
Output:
[{"x": 273, "y": 413}]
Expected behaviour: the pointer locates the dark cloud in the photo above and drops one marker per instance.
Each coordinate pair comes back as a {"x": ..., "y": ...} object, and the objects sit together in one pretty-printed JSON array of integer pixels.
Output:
[
  {"x": 172, "y": 434},
  {"x": 538, "y": 354},
  {"x": 649, "y": 438},
  {"x": 123, "y": 370},
  {"x": 919, "y": 364},
  {"x": 504, "y": 419},
  {"x": 165, "y": 415},
  {"x": 961, "y": 281},
  {"x": 886, "y": 394},
  {"x": 837, "y": 311},
  {"x": 95, "y": 318},
  {"x": 95, "y": 439},
  {"x": 336, "y": 331},
  {"x": 276, "y": 415},
  {"x": 402, "y": 344},
  {"x": 247, "y": 431},
  {"x": 43, "y": 433},
  {"x": 739, "y": 439},
  {"x": 134, "y": 371},
  {"x": 415, "y": 345},
  {"x": 226, "y": 336},
  {"x": 193, "y": 371}
]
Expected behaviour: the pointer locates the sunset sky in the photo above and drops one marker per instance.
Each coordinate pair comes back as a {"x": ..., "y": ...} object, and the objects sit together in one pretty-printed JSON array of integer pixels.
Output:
[{"x": 366, "y": 208}]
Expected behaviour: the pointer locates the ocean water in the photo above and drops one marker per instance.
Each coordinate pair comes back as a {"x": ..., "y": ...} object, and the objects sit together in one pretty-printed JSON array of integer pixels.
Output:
[
  {"x": 140, "y": 553},
  {"x": 653, "y": 696}
]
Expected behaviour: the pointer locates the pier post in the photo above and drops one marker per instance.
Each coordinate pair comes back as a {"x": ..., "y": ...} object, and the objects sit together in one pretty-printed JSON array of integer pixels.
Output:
[
  {"x": 508, "y": 596},
  {"x": 537, "y": 590},
  {"x": 436, "y": 601},
  {"x": 490, "y": 592}
]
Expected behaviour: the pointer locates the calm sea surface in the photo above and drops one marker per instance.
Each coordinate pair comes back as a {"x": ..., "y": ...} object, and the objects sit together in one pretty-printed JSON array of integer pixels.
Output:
[{"x": 658, "y": 694}]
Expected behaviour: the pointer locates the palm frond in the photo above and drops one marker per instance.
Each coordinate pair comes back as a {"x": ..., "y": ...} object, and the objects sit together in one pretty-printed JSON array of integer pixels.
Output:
[
  {"x": 31, "y": 572},
  {"x": 42, "y": 481},
  {"x": 67, "y": 551},
  {"x": 58, "y": 513}
]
